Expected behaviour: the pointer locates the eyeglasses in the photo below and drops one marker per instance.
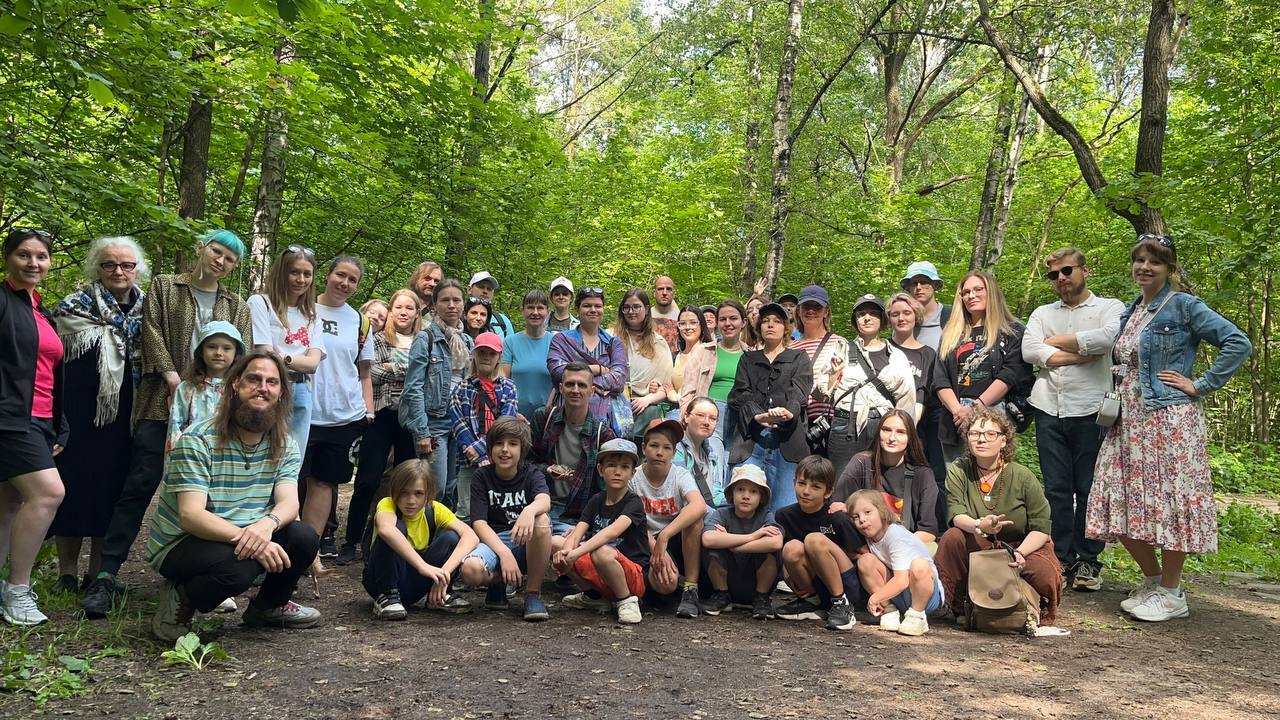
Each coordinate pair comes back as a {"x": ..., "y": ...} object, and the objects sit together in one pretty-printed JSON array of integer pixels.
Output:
[
  {"x": 112, "y": 266},
  {"x": 1163, "y": 240},
  {"x": 987, "y": 435},
  {"x": 980, "y": 290},
  {"x": 1065, "y": 271},
  {"x": 19, "y": 230},
  {"x": 632, "y": 308},
  {"x": 296, "y": 249}
]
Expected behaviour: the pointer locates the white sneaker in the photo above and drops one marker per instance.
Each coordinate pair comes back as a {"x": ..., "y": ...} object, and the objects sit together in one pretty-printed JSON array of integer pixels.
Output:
[
  {"x": 18, "y": 605},
  {"x": 914, "y": 623},
  {"x": 1138, "y": 595},
  {"x": 583, "y": 601},
  {"x": 629, "y": 610},
  {"x": 890, "y": 620},
  {"x": 1161, "y": 605},
  {"x": 227, "y": 606}
]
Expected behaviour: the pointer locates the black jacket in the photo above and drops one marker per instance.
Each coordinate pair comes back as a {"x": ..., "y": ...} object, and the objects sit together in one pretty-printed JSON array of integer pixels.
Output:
[
  {"x": 19, "y": 346},
  {"x": 760, "y": 385}
]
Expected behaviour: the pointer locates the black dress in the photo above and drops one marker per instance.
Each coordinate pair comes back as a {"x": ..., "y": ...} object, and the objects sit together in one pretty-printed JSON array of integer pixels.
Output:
[{"x": 96, "y": 459}]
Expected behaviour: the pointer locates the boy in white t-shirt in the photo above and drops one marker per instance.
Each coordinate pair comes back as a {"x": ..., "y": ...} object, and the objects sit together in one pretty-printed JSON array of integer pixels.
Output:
[
  {"x": 673, "y": 507},
  {"x": 899, "y": 573}
]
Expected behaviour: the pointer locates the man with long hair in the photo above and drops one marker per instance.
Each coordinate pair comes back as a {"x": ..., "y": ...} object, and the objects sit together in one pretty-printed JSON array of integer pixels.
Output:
[{"x": 228, "y": 508}]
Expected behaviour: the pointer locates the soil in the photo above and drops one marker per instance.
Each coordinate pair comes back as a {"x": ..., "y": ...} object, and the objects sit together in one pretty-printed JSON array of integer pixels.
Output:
[{"x": 1221, "y": 663}]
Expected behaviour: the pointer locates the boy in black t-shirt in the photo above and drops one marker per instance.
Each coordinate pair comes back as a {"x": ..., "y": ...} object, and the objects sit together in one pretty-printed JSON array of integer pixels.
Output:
[
  {"x": 742, "y": 543},
  {"x": 613, "y": 557},
  {"x": 510, "y": 503},
  {"x": 818, "y": 549}
]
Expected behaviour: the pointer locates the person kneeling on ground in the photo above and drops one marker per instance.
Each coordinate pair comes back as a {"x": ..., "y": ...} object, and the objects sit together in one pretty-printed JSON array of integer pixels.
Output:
[
  {"x": 607, "y": 552},
  {"x": 914, "y": 585},
  {"x": 674, "y": 508},
  {"x": 819, "y": 549},
  {"x": 229, "y": 506},
  {"x": 743, "y": 541},
  {"x": 418, "y": 544},
  {"x": 509, "y": 509}
]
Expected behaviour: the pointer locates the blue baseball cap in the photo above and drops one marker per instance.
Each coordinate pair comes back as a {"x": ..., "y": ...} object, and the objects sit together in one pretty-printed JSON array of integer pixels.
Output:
[
  {"x": 815, "y": 294},
  {"x": 922, "y": 267}
]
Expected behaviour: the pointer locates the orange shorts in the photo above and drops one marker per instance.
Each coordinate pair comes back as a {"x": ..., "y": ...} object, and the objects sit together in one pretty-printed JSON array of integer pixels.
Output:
[{"x": 631, "y": 570}]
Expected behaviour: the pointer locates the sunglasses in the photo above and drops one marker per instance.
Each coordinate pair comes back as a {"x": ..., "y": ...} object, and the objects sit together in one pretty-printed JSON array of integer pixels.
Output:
[
  {"x": 299, "y": 249},
  {"x": 1163, "y": 240},
  {"x": 591, "y": 292},
  {"x": 478, "y": 301},
  {"x": 19, "y": 231},
  {"x": 1065, "y": 271}
]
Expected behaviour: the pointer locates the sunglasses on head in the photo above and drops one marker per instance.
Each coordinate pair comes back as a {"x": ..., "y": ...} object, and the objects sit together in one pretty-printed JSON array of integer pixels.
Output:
[
  {"x": 1065, "y": 271},
  {"x": 19, "y": 230},
  {"x": 1163, "y": 240},
  {"x": 591, "y": 292},
  {"x": 296, "y": 249}
]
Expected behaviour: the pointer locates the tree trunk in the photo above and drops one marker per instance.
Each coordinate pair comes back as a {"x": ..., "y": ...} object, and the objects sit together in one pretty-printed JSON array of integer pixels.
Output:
[
  {"x": 233, "y": 205},
  {"x": 455, "y": 223},
  {"x": 995, "y": 171},
  {"x": 1153, "y": 114},
  {"x": 893, "y": 55},
  {"x": 1264, "y": 429},
  {"x": 751, "y": 154},
  {"x": 266, "y": 211},
  {"x": 1011, "y": 162},
  {"x": 780, "y": 191}
]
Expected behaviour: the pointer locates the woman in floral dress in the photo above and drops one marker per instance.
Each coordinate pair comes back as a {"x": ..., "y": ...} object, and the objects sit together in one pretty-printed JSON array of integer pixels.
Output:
[{"x": 1152, "y": 487}]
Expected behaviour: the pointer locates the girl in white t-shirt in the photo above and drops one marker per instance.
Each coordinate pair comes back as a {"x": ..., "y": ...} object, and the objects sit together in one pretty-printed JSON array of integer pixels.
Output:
[
  {"x": 898, "y": 572},
  {"x": 284, "y": 321}
]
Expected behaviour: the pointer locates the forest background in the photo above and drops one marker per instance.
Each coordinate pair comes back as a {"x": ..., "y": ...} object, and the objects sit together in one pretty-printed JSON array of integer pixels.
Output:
[{"x": 716, "y": 141}]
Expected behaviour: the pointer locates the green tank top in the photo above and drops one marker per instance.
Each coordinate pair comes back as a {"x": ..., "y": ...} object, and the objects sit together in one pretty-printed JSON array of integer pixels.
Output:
[{"x": 726, "y": 371}]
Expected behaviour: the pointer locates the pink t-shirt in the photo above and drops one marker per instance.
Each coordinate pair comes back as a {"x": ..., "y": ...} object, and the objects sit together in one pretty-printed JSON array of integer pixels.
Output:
[{"x": 50, "y": 354}]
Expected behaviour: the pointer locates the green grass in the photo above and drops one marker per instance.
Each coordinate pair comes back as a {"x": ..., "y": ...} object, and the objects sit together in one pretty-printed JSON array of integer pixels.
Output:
[{"x": 1248, "y": 541}]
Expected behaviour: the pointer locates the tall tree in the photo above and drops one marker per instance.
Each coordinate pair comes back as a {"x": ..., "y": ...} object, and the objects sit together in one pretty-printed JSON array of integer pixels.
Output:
[
  {"x": 266, "y": 211},
  {"x": 780, "y": 191},
  {"x": 750, "y": 156}
]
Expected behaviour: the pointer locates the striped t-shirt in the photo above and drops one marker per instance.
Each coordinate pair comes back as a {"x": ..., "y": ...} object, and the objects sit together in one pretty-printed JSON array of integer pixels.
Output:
[
  {"x": 237, "y": 494},
  {"x": 836, "y": 346}
]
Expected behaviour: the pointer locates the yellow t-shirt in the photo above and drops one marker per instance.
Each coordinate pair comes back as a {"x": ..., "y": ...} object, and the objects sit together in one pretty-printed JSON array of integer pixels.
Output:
[{"x": 416, "y": 528}]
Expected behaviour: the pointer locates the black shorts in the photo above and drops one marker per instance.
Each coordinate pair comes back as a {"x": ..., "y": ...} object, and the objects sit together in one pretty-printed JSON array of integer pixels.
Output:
[
  {"x": 27, "y": 451},
  {"x": 740, "y": 570},
  {"x": 332, "y": 452}
]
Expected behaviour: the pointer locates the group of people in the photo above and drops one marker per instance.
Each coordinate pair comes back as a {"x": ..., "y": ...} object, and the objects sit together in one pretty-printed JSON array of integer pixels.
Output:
[{"x": 695, "y": 456}]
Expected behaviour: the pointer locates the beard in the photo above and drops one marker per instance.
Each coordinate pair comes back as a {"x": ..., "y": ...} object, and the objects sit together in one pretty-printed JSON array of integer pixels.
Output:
[{"x": 256, "y": 421}]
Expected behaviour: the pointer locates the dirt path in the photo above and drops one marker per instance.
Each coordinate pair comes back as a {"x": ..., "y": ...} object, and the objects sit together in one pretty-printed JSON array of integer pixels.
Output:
[{"x": 1220, "y": 664}]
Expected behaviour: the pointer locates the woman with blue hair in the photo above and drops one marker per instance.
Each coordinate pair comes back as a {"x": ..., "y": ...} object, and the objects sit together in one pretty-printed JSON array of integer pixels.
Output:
[{"x": 176, "y": 309}]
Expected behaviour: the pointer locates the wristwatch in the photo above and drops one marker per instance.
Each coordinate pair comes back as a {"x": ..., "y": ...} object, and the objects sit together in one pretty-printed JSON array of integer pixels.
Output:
[{"x": 288, "y": 360}]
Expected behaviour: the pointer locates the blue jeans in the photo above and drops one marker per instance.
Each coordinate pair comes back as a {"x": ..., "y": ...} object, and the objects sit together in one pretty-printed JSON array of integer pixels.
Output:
[
  {"x": 439, "y": 459},
  {"x": 489, "y": 556},
  {"x": 386, "y": 570},
  {"x": 780, "y": 472},
  {"x": 300, "y": 420},
  {"x": 1068, "y": 453}
]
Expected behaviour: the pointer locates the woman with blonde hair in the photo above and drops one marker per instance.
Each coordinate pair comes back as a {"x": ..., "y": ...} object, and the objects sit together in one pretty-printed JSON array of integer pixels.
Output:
[{"x": 980, "y": 359}]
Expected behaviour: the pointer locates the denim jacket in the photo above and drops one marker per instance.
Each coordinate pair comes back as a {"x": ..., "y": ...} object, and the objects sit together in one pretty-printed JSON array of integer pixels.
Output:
[
  {"x": 424, "y": 403},
  {"x": 1169, "y": 342}
]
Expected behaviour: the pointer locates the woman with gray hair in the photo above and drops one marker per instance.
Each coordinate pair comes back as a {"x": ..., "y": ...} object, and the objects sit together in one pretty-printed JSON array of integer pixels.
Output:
[{"x": 100, "y": 324}]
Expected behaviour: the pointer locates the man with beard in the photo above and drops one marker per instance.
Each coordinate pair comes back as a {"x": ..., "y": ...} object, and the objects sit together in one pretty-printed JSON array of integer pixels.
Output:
[
  {"x": 1070, "y": 341},
  {"x": 423, "y": 284},
  {"x": 228, "y": 509}
]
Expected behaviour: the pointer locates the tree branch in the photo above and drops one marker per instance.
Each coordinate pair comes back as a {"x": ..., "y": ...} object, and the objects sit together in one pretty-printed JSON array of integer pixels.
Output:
[{"x": 926, "y": 189}]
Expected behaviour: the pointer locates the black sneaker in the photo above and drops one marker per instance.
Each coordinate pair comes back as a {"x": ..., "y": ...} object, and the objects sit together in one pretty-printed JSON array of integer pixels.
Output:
[
  {"x": 690, "y": 605},
  {"x": 1086, "y": 578},
  {"x": 346, "y": 555},
  {"x": 66, "y": 584},
  {"x": 762, "y": 607},
  {"x": 718, "y": 602},
  {"x": 328, "y": 547},
  {"x": 101, "y": 597},
  {"x": 799, "y": 609},
  {"x": 495, "y": 598},
  {"x": 840, "y": 614}
]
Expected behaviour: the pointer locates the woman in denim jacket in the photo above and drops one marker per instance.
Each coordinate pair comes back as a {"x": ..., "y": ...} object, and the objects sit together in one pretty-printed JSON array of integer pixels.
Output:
[
  {"x": 441, "y": 347},
  {"x": 1152, "y": 486}
]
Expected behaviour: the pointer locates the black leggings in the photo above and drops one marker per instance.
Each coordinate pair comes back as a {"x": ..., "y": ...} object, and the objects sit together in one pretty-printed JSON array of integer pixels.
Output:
[
  {"x": 381, "y": 437},
  {"x": 208, "y": 572}
]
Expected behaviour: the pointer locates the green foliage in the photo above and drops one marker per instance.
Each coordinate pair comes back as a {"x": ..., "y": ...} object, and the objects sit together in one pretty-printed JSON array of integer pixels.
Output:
[
  {"x": 188, "y": 650},
  {"x": 1246, "y": 470},
  {"x": 44, "y": 672}
]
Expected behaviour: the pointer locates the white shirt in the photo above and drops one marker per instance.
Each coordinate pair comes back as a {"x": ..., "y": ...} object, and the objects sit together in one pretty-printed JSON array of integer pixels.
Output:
[
  {"x": 296, "y": 339},
  {"x": 1072, "y": 390},
  {"x": 337, "y": 397}
]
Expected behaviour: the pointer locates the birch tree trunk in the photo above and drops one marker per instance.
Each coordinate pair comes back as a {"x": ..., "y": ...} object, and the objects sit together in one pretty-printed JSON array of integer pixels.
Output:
[
  {"x": 991, "y": 187},
  {"x": 751, "y": 154},
  {"x": 780, "y": 190},
  {"x": 266, "y": 210}
]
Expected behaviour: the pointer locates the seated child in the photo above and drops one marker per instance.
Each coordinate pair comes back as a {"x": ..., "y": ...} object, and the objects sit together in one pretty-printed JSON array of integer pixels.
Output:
[
  {"x": 509, "y": 506},
  {"x": 819, "y": 548},
  {"x": 743, "y": 542},
  {"x": 418, "y": 544},
  {"x": 914, "y": 586},
  {"x": 607, "y": 552},
  {"x": 673, "y": 507}
]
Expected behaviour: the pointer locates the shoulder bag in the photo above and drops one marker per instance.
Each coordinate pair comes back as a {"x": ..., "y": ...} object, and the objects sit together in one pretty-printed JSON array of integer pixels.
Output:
[{"x": 1000, "y": 601}]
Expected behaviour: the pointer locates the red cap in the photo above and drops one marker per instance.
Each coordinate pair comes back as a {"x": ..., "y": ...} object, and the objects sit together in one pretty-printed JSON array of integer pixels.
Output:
[{"x": 489, "y": 340}]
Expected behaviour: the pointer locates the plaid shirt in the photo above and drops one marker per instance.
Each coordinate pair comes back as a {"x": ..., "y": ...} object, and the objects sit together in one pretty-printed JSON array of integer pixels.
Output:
[
  {"x": 466, "y": 417},
  {"x": 388, "y": 383},
  {"x": 547, "y": 427}
]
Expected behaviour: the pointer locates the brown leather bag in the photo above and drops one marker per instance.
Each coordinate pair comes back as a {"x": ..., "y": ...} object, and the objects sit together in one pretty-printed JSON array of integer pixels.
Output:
[{"x": 1000, "y": 601}]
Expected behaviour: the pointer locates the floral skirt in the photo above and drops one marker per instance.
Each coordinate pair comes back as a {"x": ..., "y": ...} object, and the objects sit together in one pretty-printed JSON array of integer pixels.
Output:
[{"x": 1152, "y": 479}]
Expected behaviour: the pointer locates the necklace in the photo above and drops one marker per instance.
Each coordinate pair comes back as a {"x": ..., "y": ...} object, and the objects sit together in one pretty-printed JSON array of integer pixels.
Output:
[
  {"x": 987, "y": 482},
  {"x": 248, "y": 456}
]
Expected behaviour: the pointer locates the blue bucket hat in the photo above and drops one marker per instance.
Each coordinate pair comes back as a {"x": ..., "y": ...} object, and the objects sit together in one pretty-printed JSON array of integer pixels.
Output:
[{"x": 220, "y": 327}]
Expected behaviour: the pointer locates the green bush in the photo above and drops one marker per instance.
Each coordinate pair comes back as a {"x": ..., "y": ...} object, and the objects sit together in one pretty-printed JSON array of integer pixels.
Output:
[{"x": 1251, "y": 470}]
